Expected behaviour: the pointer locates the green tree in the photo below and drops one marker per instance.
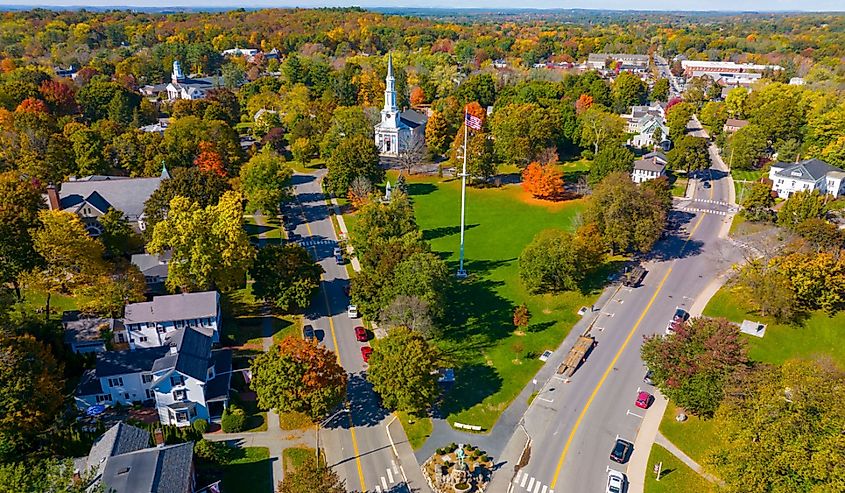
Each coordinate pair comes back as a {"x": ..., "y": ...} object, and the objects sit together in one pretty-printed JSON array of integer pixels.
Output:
[
  {"x": 628, "y": 90},
  {"x": 438, "y": 134},
  {"x": 233, "y": 75},
  {"x": 629, "y": 218},
  {"x": 713, "y": 116},
  {"x": 556, "y": 260},
  {"x": 109, "y": 295},
  {"x": 311, "y": 477},
  {"x": 677, "y": 118},
  {"x": 609, "y": 160},
  {"x": 116, "y": 232},
  {"x": 209, "y": 246},
  {"x": 821, "y": 234},
  {"x": 303, "y": 149},
  {"x": 265, "y": 180},
  {"x": 47, "y": 475},
  {"x": 689, "y": 154},
  {"x": 746, "y": 146},
  {"x": 660, "y": 90},
  {"x": 96, "y": 98},
  {"x": 800, "y": 206},
  {"x": 298, "y": 375},
  {"x": 600, "y": 128},
  {"x": 70, "y": 257},
  {"x": 423, "y": 275},
  {"x": 780, "y": 429},
  {"x": 758, "y": 202},
  {"x": 693, "y": 365},
  {"x": 20, "y": 201},
  {"x": 522, "y": 131},
  {"x": 203, "y": 188},
  {"x": 480, "y": 88},
  {"x": 286, "y": 276},
  {"x": 355, "y": 156},
  {"x": 778, "y": 110},
  {"x": 378, "y": 222},
  {"x": 769, "y": 291},
  {"x": 89, "y": 152},
  {"x": 346, "y": 123},
  {"x": 402, "y": 371},
  {"x": 736, "y": 102}
]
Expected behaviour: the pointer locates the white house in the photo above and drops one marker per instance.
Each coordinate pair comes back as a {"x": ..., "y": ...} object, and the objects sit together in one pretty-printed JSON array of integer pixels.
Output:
[
  {"x": 397, "y": 129},
  {"x": 154, "y": 268},
  {"x": 810, "y": 174},
  {"x": 644, "y": 122},
  {"x": 150, "y": 323},
  {"x": 648, "y": 169},
  {"x": 122, "y": 461},
  {"x": 185, "y": 378}
]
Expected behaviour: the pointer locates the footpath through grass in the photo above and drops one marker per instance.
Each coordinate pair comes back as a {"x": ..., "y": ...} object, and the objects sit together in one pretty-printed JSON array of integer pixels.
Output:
[
  {"x": 676, "y": 477},
  {"x": 493, "y": 363}
]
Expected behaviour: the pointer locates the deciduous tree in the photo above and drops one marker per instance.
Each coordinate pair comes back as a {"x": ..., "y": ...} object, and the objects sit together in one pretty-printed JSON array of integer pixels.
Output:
[
  {"x": 286, "y": 276},
  {"x": 746, "y": 146},
  {"x": 203, "y": 188},
  {"x": 20, "y": 201},
  {"x": 609, "y": 160},
  {"x": 556, "y": 260},
  {"x": 802, "y": 205},
  {"x": 311, "y": 477},
  {"x": 689, "y": 154},
  {"x": 355, "y": 156},
  {"x": 265, "y": 180},
  {"x": 402, "y": 371},
  {"x": 543, "y": 181},
  {"x": 758, "y": 202},
  {"x": 600, "y": 128}
]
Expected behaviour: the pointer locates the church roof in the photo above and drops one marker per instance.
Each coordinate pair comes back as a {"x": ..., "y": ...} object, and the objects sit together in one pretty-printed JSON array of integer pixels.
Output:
[{"x": 413, "y": 118}]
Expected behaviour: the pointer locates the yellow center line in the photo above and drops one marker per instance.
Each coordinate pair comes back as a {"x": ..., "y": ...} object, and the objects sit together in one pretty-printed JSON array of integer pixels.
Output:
[
  {"x": 616, "y": 357},
  {"x": 337, "y": 352}
]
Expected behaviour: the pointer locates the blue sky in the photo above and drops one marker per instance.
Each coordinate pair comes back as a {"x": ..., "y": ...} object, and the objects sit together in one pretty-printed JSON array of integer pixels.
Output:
[{"x": 730, "y": 5}]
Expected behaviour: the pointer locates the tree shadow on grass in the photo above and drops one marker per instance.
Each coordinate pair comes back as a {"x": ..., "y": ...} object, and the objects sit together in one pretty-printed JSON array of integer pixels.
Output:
[
  {"x": 473, "y": 383},
  {"x": 435, "y": 233},
  {"x": 476, "y": 314},
  {"x": 416, "y": 188}
]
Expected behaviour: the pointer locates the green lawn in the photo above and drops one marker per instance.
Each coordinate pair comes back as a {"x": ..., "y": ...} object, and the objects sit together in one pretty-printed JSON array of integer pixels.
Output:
[
  {"x": 748, "y": 175},
  {"x": 493, "y": 363},
  {"x": 816, "y": 334},
  {"x": 676, "y": 477},
  {"x": 694, "y": 436},
  {"x": 294, "y": 457},
  {"x": 34, "y": 300},
  {"x": 273, "y": 232},
  {"x": 242, "y": 320},
  {"x": 249, "y": 474},
  {"x": 312, "y": 166},
  {"x": 418, "y": 431},
  {"x": 294, "y": 421},
  {"x": 679, "y": 187}
]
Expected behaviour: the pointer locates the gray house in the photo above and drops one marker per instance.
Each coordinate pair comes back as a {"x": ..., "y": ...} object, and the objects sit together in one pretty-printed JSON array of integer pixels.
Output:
[
  {"x": 154, "y": 268},
  {"x": 87, "y": 334},
  {"x": 123, "y": 461}
]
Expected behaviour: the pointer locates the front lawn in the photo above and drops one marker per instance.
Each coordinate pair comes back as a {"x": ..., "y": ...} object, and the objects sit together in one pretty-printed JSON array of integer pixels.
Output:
[
  {"x": 243, "y": 324},
  {"x": 814, "y": 335},
  {"x": 676, "y": 477},
  {"x": 35, "y": 301},
  {"x": 294, "y": 457},
  {"x": 251, "y": 473},
  {"x": 418, "y": 431},
  {"x": 695, "y": 436},
  {"x": 492, "y": 362}
]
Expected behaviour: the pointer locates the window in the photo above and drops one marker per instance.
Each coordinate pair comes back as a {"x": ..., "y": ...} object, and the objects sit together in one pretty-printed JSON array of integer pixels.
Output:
[
  {"x": 142, "y": 339},
  {"x": 146, "y": 378},
  {"x": 103, "y": 398},
  {"x": 150, "y": 394},
  {"x": 177, "y": 380},
  {"x": 116, "y": 382},
  {"x": 193, "y": 412},
  {"x": 180, "y": 395},
  {"x": 161, "y": 330},
  {"x": 181, "y": 416}
]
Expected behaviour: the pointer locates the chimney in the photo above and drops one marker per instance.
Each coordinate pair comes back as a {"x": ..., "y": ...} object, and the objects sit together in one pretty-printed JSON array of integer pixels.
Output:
[
  {"x": 52, "y": 197},
  {"x": 158, "y": 437}
]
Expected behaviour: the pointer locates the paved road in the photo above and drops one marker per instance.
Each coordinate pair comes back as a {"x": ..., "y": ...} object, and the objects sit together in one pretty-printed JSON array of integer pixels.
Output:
[
  {"x": 356, "y": 442},
  {"x": 663, "y": 70},
  {"x": 574, "y": 426}
]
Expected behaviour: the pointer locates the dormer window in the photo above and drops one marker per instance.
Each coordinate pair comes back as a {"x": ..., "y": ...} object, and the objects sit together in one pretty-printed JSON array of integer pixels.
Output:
[{"x": 796, "y": 173}]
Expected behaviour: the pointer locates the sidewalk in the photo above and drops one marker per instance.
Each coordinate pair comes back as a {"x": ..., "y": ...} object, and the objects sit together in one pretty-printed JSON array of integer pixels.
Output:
[{"x": 665, "y": 443}]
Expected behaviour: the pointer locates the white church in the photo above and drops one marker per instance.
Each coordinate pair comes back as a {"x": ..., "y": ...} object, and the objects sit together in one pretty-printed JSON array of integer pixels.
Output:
[
  {"x": 184, "y": 87},
  {"x": 398, "y": 129}
]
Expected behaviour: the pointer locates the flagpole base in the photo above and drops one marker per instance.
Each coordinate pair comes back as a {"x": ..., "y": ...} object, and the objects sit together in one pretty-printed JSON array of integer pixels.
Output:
[{"x": 462, "y": 274}]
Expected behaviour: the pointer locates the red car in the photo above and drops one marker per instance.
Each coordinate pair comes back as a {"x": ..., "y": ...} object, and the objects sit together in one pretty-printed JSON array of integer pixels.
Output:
[
  {"x": 361, "y": 334},
  {"x": 644, "y": 400},
  {"x": 366, "y": 351}
]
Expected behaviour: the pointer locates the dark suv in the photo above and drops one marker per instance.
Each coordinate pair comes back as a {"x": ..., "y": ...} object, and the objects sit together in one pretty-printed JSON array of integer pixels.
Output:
[{"x": 621, "y": 451}]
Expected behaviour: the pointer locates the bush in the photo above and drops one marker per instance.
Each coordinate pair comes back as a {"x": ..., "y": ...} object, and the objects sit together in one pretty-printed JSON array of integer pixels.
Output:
[
  {"x": 201, "y": 426},
  {"x": 484, "y": 458},
  {"x": 213, "y": 452},
  {"x": 233, "y": 420}
]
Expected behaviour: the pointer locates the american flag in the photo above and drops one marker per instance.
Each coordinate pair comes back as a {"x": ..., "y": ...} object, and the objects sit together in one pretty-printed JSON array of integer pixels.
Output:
[{"x": 472, "y": 122}]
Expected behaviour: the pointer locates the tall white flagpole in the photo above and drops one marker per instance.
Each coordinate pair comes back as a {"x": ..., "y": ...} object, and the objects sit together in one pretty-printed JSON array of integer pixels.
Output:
[{"x": 461, "y": 272}]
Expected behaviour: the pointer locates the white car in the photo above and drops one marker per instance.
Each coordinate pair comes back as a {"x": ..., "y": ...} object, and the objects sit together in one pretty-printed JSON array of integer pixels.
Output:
[
  {"x": 352, "y": 311},
  {"x": 615, "y": 481}
]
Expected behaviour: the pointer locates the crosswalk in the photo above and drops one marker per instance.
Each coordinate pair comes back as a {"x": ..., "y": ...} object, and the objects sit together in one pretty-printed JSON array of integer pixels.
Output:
[
  {"x": 392, "y": 476},
  {"x": 530, "y": 484},
  {"x": 705, "y": 211},
  {"x": 714, "y": 202},
  {"x": 308, "y": 243}
]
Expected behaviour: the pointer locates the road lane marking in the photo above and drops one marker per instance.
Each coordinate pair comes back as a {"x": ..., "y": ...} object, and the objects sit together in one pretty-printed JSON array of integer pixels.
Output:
[
  {"x": 390, "y": 475},
  {"x": 629, "y": 413},
  {"x": 537, "y": 488},
  {"x": 615, "y": 359},
  {"x": 384, "y": 483},
  {"x": 516, "y": 479},
  {"x": 337, "y": 352},
  {"x": 524, "y": 479},
  {"x": 544, "y": 488},
  {"x": 530, "y": 484}
]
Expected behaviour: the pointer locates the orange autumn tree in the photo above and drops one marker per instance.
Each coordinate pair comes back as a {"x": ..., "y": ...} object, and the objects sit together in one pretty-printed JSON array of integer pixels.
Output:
[
  {"x": 417, "y": 96},
  {"x": 542, "y": 181},
  {"x": 209, "y": 160},
  {"x": 585, "y": 102},
  {"x": 31, "y": 105}
]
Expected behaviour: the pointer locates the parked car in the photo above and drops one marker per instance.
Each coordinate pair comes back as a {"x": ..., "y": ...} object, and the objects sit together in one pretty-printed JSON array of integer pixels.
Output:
[
  {"x": 361, "y": 334},
  {"x": 366, "y": 351},
  {"x": 338, "y": 255},
  {"x": 615, "y": 482},
  {"x": 678, "y": 319},
  {"x": 644, "y": 400},
  {"x": 706, "y": 184},
  {"x": 647, "y": 378},
  {"x": 621, "y": 451},
  {"x": 308, "y": 332},
  {"x": 352, "y": 311}
]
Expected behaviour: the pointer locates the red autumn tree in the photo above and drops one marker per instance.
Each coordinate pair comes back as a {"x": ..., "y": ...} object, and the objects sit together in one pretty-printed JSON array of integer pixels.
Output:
[
  {"x": 209, "y": 160},
  {"x": 417, "y": 96},
  {"x": 542, "y": 182},
  {"x": 59, "y": 96},
  {"x": 521, "y": 316},
  {"x": 7, "y": 65},
  {"x": 31, "y": 105},
  {"x": 585, "y": 102},
  {"x": 475, "y": 109}
]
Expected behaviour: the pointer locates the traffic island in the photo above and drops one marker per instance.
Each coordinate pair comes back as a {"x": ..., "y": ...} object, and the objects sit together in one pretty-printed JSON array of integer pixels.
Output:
[{"x": 458, "y": 469}]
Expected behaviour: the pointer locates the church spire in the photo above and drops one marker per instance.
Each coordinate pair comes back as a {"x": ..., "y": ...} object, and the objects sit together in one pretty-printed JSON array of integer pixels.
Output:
[{"x": 390, "y": 87}]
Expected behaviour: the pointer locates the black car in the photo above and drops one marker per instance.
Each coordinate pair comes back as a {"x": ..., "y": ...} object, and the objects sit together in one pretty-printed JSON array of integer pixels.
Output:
[
  {"x": 706, "y": 184},
  {"x": 648, "y": 378},
  {"x": 621, "y": 451},
  {"x": 308, "y": 332}
]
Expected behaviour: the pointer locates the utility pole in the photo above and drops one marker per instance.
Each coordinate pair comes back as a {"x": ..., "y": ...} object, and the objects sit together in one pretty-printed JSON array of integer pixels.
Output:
[{"x": 462, "y": 273}]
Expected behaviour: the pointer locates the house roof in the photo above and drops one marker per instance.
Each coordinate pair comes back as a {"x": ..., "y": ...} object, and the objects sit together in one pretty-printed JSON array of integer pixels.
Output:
[
  {"x": 193, "y": 354},
  {"x": 808, "y": 170},
  {"x": 153, "y": 470},
  {"x": 184, "y": 306},
  {"x": 119, "y": 439},
  {"x": 89, "y": 384},
  {"x": 649, "y": 165},
  {"x": 111, "y": 363},
  {"x": 124, "y": 194},
  {"x": 733, "y": 122},
  {"x": 152, "y": 265},
  {"x": 657, "y": 156},
  {"x": 79, "y": 328},
  {"x": 218, "y": 387}
]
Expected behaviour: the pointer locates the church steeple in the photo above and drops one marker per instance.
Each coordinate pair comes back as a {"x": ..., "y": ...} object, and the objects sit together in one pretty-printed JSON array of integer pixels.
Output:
[{"x": 390, "y": 88}]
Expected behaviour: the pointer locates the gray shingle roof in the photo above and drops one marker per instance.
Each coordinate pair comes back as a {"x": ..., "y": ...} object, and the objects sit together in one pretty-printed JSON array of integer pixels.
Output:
[
  {"x": 649, "y": 165},
  {"x": 218, "y": 387},
  {"x": 154, "y": 470},
  {"x": 89, "y": 384},
  {"x": 112, "y": 363},
  {"x": 152, "y": 265},
  {"x": 79, "y": 328},
  {"x": 124, "y": 194},
  {"x": 413, "y": 118},
  {"x": 119, "y": 439},
  {"x": 194, "y": 353},
  {"x": 809, "y": 170},
  {"x": 661, "y": 157},
  {"x": 183, "y": 306}
]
